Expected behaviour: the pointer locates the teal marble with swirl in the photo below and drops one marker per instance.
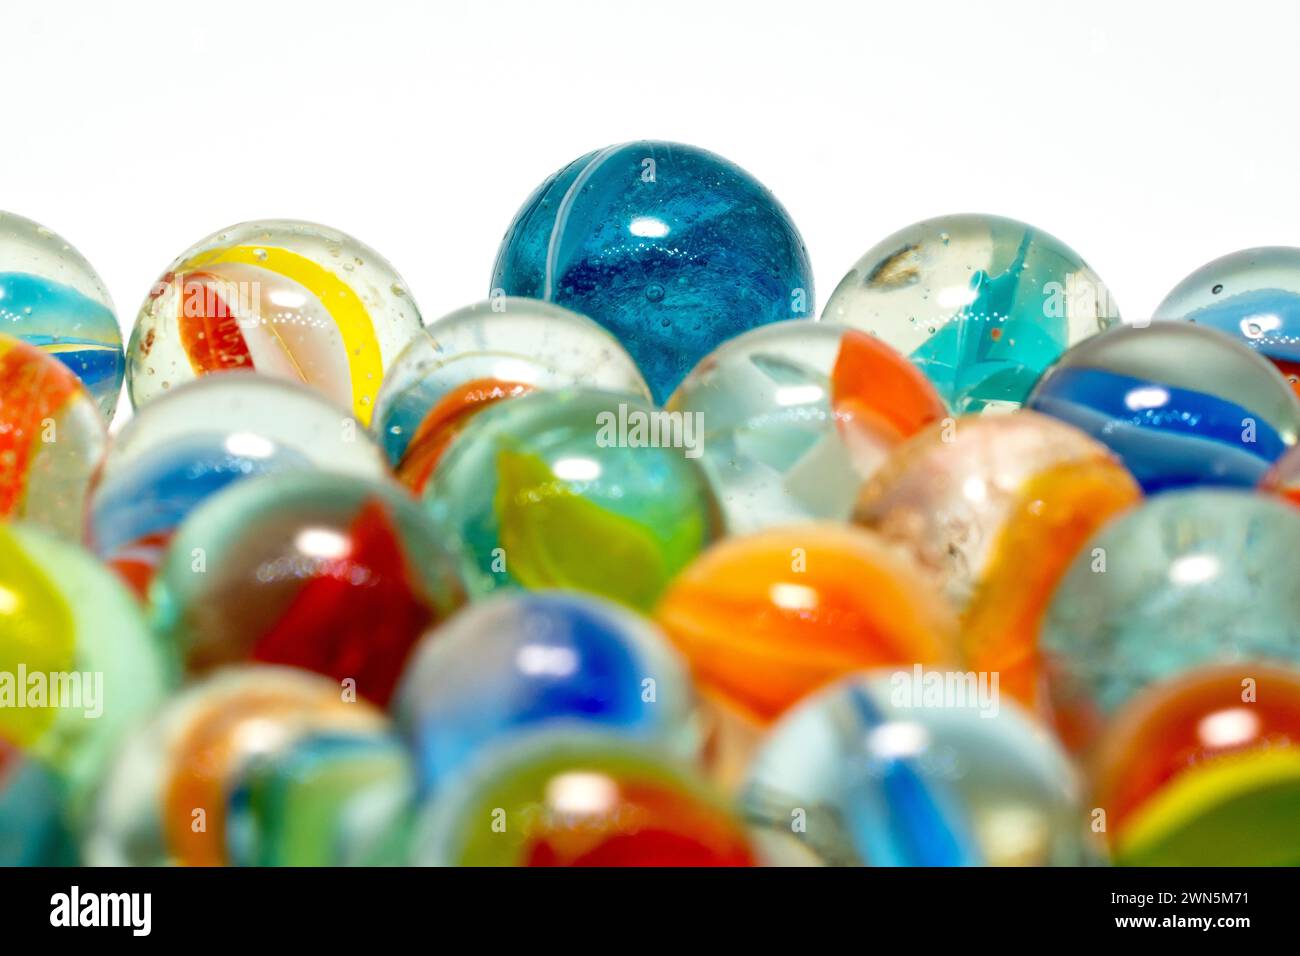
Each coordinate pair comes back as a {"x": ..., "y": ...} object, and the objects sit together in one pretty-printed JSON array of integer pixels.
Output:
[{"x": 981, "y": 304}]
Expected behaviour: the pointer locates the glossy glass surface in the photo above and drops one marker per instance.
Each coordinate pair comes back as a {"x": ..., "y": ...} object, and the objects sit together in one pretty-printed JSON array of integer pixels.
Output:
[
  {"x": 993, "y": 508},
  {"x": 1189, "y": 578},
  {"x": 795, "y": 414},
  {"x": 51, "y": 298},
  {"x": 294, "y": 300},
  {"x": 982, "y": 305},
  {"x": 201, "y": 437},
  {"x": 766, "y": 618},
  {"x": 78, "y": 667},
  {"x": 1252, "y": 295},
  {"x": 256, "y": 767},
  {"x": 569, "y": 799},
  {"x": 671, "y": 248},
  {"x": 574, "y": 489},
  {"x": 52, "y": 437},
  {"x": 1204, "y": 770},
  {"x": 863, "y": 774},
  {"x": 321, "y": 571},
  {"x": 1181, "y": 405},
  {"x": 501, "y": 348},
  {"x": 519, "y": 663}
]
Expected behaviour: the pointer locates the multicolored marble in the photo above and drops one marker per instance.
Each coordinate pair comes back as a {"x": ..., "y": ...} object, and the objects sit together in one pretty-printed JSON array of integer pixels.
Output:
[
  {"x": 1190, "y": 578},
  {"x": 52, "y": 437},
  {"x": 795, "y": 414},
  {"x": 765, "y": 619},
  {"x": 1204, "y": 770},
  {"x": 501, "y": 348},
  {"x": 1180, "y": 404},
  {"x": 52, "y": 298},
  {"x": 994, "y": 508},
  {"x": 201, "y": 437},
  {"x": 574, "y": 489},
  {"x": 78, "y": 668},
  {"x": 1252, "y": 295},
  {"x": 581, "y": 799},
  {"x": 326, "y": 572},
  {"x": 256, "y": 766},
  {"x": 290, "y": 299},
  {"x": 981, "y": 304},
  {"x": 516, "y": 664},
  {"x": 870, "y": 772},
  {"x": 671, "y": 248}
]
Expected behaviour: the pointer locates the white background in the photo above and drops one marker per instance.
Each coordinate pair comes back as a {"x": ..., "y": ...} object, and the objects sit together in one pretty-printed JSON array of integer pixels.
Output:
[{"x": 1150, "y": 137}]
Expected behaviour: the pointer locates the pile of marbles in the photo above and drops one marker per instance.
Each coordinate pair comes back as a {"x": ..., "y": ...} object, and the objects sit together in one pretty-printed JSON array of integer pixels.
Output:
[{"x": 643, "y": 561}]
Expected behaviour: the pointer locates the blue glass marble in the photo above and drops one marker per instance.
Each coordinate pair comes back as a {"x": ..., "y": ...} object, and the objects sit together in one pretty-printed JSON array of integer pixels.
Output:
[
  {"x": 520, "y": 663},
  {"x": 1252, "y": 295},
  {"x": 981, "y": 304},
  {"x": 202, "y": 436},
  {"x": 871, "y": 772},
  {"x": 671, "y": 248},
  {"x": 1180, "y": 404},
  {"x": 52, "y": 298},
  {"x": 1189, "y": 578}
]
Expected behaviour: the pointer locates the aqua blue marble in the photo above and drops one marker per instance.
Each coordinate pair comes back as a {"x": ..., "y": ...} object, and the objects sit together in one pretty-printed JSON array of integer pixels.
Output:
[
  {"x": 1189, "y": 578},
  {"x": 80, "y": 332},
  {"x": 521, "y": 663},
  {"x": 1180, "y": 404},
  {"x": 867, "y": 772},
  {"x": 671, "y": 248}
]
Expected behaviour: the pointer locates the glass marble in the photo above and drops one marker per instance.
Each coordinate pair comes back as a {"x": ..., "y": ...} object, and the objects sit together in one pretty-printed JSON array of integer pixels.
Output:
[
  {"x": 275, "y": 764},
  {"x": 501, "y": 348},
  {"x": 64, "y": 618},
  {"x": 1283, "y": 478},
  {"x": 993, "y": 508},
  {"x": 885, "y": 779},
  {"x": 1180, "y": 404},
  {"x": 795, "y": 414},
  {"x": 52, "y": 437},
  {"x": 1204, "y": 770},
  {"x": 290, "y": 299},
  {"x": 1190, "y": 578},
  {"x": 321, "y": 571},
  {"x": 50, "y": 297},
  {"x": 766, "y": 618},
  {"x": 671, "y": 248},
  {"x": 574, "y": 489},
  {"x": 574, "y": 799},
  {"x": 1252, "y": 295},
  {"x": 201, "y": 437},
  {"x": 515, "y": 664},
  {"x": 981, "y": 304}
]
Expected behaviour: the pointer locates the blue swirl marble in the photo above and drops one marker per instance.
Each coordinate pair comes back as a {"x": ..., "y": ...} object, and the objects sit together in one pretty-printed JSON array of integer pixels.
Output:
[
  {"x": 881, "y": 773},
  {"x": 81, "y": 333},
  {"x": 1167, "y": 437},
  {"x": 671, "y": 248},
  {"x": 156, "y": 493},
  {"x": 1180, "y": 404},
  {"x": 519, "y": 663}
]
